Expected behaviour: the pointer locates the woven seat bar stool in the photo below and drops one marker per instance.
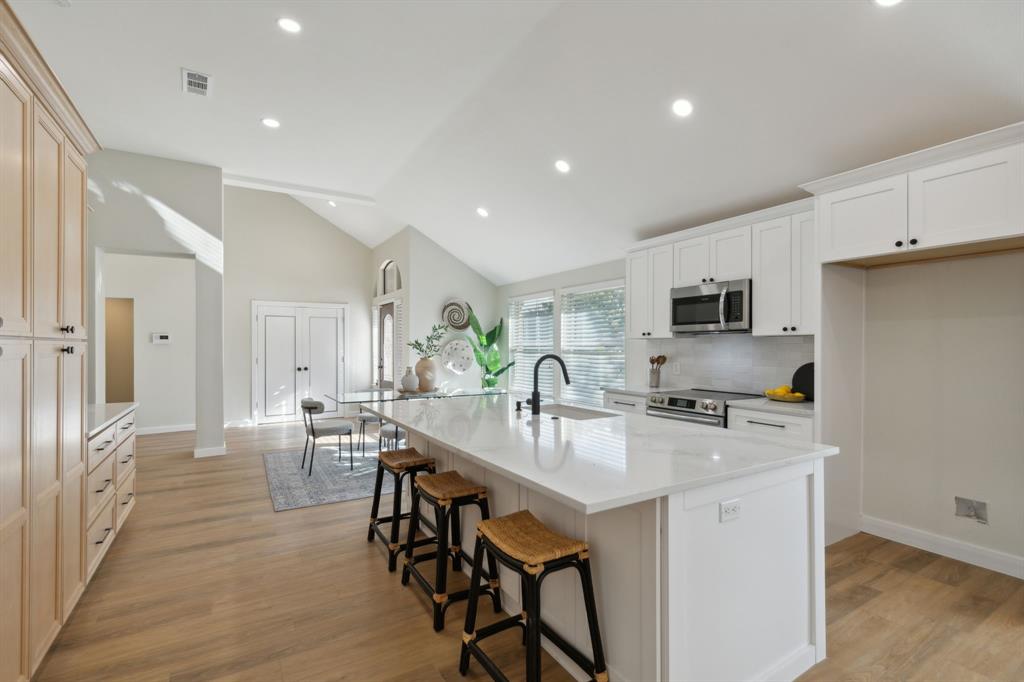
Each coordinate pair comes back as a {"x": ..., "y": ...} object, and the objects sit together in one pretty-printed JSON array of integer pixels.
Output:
[
  {"x": 407, "y": 462},
  {"x": 447, "y": 492},
  {"x": 534, "y": 551}
]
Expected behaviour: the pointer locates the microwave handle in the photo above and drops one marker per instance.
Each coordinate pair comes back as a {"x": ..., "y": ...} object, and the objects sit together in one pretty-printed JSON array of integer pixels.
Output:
[{"x": 721, "y": 305}]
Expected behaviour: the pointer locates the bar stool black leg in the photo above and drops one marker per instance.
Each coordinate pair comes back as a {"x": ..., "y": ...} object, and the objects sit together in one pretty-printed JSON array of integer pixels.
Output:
[
  {"x": 376, "y": 500},
  {"x": 456, "y": 538},
  {"x": 414, "y": 526},
  {"x": 532, "y": 629},
  {"x": 469, "y": 631},
  {"x": 441, "y": 573},
  {"x": 588, "y": 599},
  {"x": 492, "y": 564},
  {"x": 396, "y": 521}
]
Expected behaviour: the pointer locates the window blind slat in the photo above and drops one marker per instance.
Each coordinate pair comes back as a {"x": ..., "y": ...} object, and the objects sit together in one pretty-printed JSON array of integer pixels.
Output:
[
  {"x": 594, "y": 343},
  {"x": 531, "y": 335}
]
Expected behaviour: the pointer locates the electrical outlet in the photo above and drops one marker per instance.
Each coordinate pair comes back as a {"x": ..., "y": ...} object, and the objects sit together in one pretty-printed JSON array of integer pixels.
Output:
[
  {"x": 677, "y": 368},
  {"x": 972, "y": 509},
  {"x": 728, "y": 510}
]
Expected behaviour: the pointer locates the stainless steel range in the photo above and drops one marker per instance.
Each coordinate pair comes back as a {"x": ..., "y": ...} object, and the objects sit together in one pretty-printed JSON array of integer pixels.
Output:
[{"x": 695, "y": 405}]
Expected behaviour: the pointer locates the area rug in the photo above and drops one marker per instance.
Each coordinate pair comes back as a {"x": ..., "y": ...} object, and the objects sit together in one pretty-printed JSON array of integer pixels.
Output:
[{"x": 332, "y": 481}]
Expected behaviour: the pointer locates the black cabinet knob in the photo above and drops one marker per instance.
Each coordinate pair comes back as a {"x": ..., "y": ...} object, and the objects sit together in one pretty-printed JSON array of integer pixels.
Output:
[
  {"x": 305, "y": 369},
  {"x": 792, "y": 329},
  {"x": 785, "y": 329},
  {"x": 913, "y": 242},
  {"x": 298, "y": 369},
  {"x": 704, "y": 280},
  {"x": 711, "y": 279},
  {"x": 899, "y": 243}
]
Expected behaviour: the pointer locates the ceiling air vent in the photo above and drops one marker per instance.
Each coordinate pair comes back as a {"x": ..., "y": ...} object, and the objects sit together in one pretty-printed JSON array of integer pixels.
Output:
[{"x": 195, "y": 83}]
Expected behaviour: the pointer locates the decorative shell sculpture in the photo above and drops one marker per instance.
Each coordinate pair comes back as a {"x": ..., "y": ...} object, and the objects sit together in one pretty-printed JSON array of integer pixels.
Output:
[{"x": 455, "y": 314}]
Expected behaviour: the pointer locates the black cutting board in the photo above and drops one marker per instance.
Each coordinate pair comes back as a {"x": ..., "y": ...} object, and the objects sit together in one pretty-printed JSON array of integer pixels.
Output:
[{"x": 803, "y": 380}]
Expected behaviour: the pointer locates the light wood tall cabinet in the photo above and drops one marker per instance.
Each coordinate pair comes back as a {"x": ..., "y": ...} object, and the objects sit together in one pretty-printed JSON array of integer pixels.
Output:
[{"x": 42, "y": 354}]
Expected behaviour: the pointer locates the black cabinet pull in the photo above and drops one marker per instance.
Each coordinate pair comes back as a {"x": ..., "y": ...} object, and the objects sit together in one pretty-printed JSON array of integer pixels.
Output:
[
  {"x": 774, "y": 426},
  {"x": 104, "y": 446},
  {"x": 105, "y": 536},
  {"x": 68, "y": 329},
  {"x": 619, "y": 402},
  {"x": 128, "y": 499},
  {"x": 913, "y": 242},
  {"x": 70, "y": 350},
  {"x": 899, "y": 243},
  {"x": 106, "y": 484},
  {"x": 127, "y": 459}
]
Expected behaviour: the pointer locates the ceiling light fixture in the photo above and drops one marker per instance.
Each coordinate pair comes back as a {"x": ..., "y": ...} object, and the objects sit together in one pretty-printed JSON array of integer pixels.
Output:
[
  {"x": 562, "y": 166},
  {"x": 289, "y": 25},
  {"x": 271, "y": 123},
  {"x": 331, "y": 204},
  {"x": 887, "y": 3},
  {"x": 482, "y": 212},
  {"x": 682, "y": 108}
]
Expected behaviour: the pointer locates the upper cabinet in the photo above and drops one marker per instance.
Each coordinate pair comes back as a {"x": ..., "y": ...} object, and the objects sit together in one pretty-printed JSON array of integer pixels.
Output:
[
  {"x": 866, "y": 220},
  {"x": 73, "y": 245},
  {"x": 15, "y": 228},
  {"x": 784, "y": 274},
  {"x": 648, "y": 287},
  {"x": 717, "y": 257}
]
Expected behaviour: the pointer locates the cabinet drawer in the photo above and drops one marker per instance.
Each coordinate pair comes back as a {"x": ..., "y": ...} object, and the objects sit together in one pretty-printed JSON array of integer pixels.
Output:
[
  {"x": 102, "y": 445},
  {"x": 125, "y": 500},
  {"x": 124, "y": 457},
  {"x": 125, "y": 427},
  {"x": 768, "y": 424},
  {"x": 625, "y": 402},
  {"x": 99, "y": 536},
  {"x": 100, "y": 486}
]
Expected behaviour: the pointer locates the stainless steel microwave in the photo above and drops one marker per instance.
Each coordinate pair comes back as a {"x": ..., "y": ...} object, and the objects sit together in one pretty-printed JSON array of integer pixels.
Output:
[{"x": 711, "y": 308}]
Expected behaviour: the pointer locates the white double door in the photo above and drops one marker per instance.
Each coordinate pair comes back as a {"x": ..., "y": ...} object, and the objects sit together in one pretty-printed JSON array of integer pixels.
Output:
[{"x": 300, "y": 353}]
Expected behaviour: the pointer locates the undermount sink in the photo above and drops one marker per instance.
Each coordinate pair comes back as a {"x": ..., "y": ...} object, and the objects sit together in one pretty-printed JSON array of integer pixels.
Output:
[{"x": 573, "y": 412}]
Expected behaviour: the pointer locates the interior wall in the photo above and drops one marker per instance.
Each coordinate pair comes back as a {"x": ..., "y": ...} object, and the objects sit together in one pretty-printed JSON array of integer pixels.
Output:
[
  {"x": 120, "y": 343},
  {"x": 944, "y": 397},
  {"x": 279, "y": 250},
  {"x": 163, "y": 290}
]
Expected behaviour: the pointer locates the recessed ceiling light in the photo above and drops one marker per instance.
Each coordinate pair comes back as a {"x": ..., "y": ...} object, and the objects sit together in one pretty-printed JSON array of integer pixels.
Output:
[
  {"x": 482, "y": 212},
  {"x": 562, "y": 166},
  {"x": 331, "y": 204},
  {"x": 289, "y": 25},
  {"x": 682, "y": 108},
  {"x": 888, "y": 3},
  {"x": 271, "y": 123}
]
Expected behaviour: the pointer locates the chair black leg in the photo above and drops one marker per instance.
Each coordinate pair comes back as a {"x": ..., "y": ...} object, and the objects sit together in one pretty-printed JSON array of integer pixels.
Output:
[
  {"x": 376, "y": 500},
  {"x": 304, "y": 448},
  {"x": 362, "y": 437},
  {"x": 396, "y": 522},
  {"x": 588, "y": 600},
  {"x": 532, "y": 630},
  {"x": 350, "y": 463},
  {"x": 469, "y": 630},
  {"x": 339, "y": 448},
  {"x": 311, "y": 453},
  {"x": 414, "y": 526},
  {"x": 441, "y": 574}
]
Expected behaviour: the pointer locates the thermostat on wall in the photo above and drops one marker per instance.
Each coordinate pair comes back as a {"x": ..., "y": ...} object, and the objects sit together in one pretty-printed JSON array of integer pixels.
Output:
[{"x": 158, "y": 337}]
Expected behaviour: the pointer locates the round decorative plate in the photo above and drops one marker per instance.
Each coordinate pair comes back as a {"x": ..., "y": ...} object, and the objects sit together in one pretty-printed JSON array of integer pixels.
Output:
[
  {"x": 457, "y": 356},
  {"x": 455, "y": 314}
]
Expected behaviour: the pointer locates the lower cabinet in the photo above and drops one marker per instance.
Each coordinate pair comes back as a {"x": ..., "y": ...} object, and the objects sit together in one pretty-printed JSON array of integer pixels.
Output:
[
  {"x": 625, "y": 402},
  {"x": 772, "y": 424}
]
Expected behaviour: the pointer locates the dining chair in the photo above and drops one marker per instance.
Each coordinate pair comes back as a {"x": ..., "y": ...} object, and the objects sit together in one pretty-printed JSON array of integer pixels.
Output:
[{"x": 338, "y": 428}]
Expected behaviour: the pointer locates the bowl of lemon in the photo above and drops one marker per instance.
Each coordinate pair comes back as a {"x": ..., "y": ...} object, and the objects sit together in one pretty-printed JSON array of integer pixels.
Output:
[{"x": 784, "y": 394}]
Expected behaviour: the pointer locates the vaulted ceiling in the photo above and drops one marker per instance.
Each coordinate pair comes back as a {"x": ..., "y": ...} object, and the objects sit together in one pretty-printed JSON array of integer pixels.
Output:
[{"x": 430, "y": 110}]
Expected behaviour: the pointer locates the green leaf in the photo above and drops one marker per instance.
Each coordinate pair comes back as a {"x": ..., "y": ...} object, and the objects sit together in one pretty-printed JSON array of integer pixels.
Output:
[
  {"x": 477, "y": 353},
  {"x": 493, "y": 356},
  {"x": 475, "y": 324},
  {"x": 503, "y": 369}
]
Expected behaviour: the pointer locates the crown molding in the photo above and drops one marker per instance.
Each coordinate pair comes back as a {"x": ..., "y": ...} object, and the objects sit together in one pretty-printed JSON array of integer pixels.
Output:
[
  {"x": 771, "y": 213},
  {"x": 957, "y": 149},
  {"x": 18, "y": 48},
  {"x": 298, "y": 190}
]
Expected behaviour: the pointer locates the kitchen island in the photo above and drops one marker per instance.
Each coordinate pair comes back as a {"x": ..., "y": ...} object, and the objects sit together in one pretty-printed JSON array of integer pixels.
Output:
[{"x": 707, "y": 544}]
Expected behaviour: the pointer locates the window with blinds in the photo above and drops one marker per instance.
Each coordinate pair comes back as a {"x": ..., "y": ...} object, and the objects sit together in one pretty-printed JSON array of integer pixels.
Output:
[
  {"x": 531, "y": 334},
  {"x": 593, "y": 342}
]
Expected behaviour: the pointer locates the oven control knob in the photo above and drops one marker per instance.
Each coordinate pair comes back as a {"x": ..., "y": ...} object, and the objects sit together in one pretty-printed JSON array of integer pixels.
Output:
[{"x": 709, "y": 405}]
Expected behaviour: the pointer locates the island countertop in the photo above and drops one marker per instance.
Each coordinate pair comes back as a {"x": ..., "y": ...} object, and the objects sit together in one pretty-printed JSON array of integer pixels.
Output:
[
  {"x": 101, "y": 415},
  {"x": 597, "y": 464}
]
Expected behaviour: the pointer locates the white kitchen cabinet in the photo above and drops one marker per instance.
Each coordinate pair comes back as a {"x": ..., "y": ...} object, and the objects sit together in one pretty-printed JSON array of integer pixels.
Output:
[
  {"x": 717, "y": 257},
  {"x": 783, "y": 271},
  {"x": 971, "y": 199},
  {"x": 625, "y": 402},
  {"x": 865, "y": 220},
  {"x": 769, "y": 424},
  {"x": 648, "y": 288}
]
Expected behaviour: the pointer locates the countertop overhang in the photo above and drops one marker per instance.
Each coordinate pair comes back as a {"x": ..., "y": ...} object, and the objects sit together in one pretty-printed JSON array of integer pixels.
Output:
[
  {"x": 598, "y": 464},
  {"x": 101, "y": 415}
]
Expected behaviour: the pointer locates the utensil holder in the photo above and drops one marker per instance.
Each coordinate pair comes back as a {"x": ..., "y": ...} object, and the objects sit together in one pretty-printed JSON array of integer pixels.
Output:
[{"x": 655, "y": 377}]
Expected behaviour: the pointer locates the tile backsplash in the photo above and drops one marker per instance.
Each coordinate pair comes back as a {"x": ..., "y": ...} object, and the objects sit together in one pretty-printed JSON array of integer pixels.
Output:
[{"x": 727, "y": 362}]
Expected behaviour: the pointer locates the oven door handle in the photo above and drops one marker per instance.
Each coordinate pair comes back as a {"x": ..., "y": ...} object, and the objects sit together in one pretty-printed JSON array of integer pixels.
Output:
[
  {"x": 721, "y": 305},
  {"x": 693, "y": 418}
]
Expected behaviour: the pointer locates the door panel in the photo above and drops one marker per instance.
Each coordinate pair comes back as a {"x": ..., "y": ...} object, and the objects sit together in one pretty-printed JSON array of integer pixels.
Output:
[
  {"x": 15, "y": 229},
  {"x": 866, "y": 220},
  {"x": 73, "y": 462},
  {"x": 691, "y": 262},
  {"x": 729, "y": 254},
  {"x": 48, "y": 157},
  {"x": 73, "y": 247},
  {"x": 772, "y": 276},
  {"x": 322, "y": 355},
  {"x": 638, "y": 309},
  {"x": 386, "y": 349},
  {"x": 279, "y": 363},
  {"x": 662, "y": 273},
  {"x": 15, "y": 403},
  {"x": 805, "y": 274}
]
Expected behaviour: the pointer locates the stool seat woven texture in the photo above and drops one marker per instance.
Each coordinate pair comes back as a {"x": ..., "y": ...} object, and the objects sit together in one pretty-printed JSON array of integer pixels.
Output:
[
  {"x": 448, "y": 485},
  {"x": 524, "y": 538},
  {"x": 399, "y": 460}
]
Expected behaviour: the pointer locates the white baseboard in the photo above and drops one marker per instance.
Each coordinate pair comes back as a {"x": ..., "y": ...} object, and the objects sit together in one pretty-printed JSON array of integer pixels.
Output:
[
  {"x": 173, "y": 428},
  {"x": 235, "y": 423},
  {"x": 791, "y": 666},
  {"x": 991, "y": 559},
  {"x": 209, "y": 452}
]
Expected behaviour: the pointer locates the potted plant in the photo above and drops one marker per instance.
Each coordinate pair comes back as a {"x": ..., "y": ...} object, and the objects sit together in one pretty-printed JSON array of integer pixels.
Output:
[
  {"x": 427, "y": 349},
  {"x": 486, "y": 351}
]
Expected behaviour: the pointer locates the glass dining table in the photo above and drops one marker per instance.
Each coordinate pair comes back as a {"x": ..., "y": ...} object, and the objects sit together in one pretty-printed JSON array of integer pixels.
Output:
[{"x": 376, "y": 395}]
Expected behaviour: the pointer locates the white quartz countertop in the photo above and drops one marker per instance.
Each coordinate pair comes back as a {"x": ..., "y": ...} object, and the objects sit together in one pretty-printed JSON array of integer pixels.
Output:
[
  {"x": 102, "y": 415},
  {"x": 804, "y": 409},
  {"x": 597, "y": 464}
]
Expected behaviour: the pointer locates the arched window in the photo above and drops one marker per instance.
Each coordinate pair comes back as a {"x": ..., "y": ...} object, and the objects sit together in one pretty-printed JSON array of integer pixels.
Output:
[{"x": 390, "y": 278}]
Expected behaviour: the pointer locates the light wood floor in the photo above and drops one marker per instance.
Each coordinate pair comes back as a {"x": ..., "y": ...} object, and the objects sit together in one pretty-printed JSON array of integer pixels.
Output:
[{"x": 207, "y": 582}]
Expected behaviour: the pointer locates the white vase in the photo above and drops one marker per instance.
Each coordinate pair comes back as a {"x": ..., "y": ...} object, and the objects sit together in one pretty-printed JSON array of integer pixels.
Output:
[
  {"x": 426, "y": 370},
  {"x": 410, "y": 382}
]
